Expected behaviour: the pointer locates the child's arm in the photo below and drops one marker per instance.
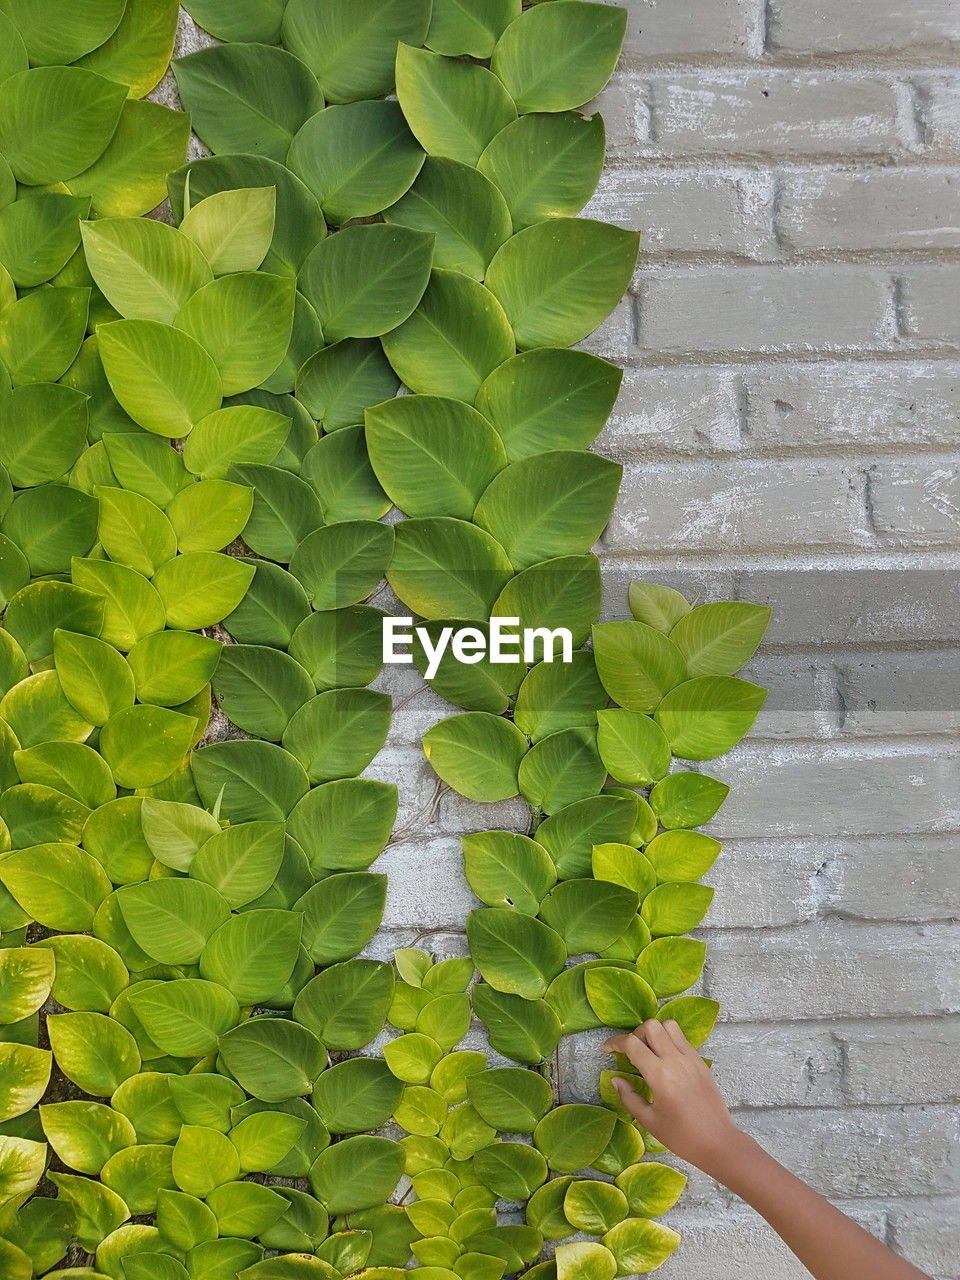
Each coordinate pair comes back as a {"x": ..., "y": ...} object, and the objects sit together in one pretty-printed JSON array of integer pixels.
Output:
[{"x": 688, "y": 1115}]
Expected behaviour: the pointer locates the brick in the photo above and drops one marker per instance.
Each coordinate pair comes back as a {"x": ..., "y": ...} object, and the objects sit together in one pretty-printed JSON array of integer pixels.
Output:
[
  {"x": 802, "y": 406},
  {"x": 915, "y": 1061},
  {"x": 690, "y": 507},
  {"x": 939, "y": 109},
  {"x": 427, "y": 889},
  {"x": 917, "y": 504},
  {"x": 898, "y": 209},
  {"x": 658, "y": 28},
  {"x": 775, "y": 113},
  {"x": 827, "y": 969},
  {"x": 766, "y": 309},
  {"x": 850, "y": 1153},
  {"x": 614, "y": 339},
  {"x": 929, "y": 303},
  {"x": 929, "y": 1235},
  {"x": 898, "y": 878},
  {"x": 625, "y": 107},
  {"x": 822, "y": 789},
  {"x": 695, "y": 583},
  {"x": 863, "y": 26},
  {"x": 669, "y": 411},
  {"x": 689, "y": 211},
  {"x": 801, "y": 696},
  {"x": 736, "y": 1244},
  {"x": 890, "y": 693},
  {"x": 760, "y": 885}
]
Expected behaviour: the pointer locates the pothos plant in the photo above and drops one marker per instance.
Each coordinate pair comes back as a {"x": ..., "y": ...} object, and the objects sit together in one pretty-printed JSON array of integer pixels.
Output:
[{"x": 194, "y": 1075}]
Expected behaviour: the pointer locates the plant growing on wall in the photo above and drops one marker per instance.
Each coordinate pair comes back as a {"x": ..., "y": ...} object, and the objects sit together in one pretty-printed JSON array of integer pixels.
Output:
[{"x": 189, "y": 917}]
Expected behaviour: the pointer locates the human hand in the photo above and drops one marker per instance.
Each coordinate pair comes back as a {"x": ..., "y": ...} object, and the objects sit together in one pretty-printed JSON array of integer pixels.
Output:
[{"x": 687, "y": 1112}]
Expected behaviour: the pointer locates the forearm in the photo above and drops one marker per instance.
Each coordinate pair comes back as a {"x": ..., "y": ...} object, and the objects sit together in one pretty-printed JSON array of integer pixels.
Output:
[{"x": 828, "y": 1243}]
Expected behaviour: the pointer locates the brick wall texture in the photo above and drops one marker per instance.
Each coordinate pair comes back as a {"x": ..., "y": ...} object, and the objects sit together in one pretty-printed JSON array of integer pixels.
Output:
[{"x": 790, "y": 429}]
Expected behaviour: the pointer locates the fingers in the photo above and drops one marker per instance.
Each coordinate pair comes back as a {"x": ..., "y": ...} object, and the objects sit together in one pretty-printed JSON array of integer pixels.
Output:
[
  {"x": 636, "y": 1049},
  {"x": 658, "y": 1038},
  {"x": 638, "y": 1108},
  {"x": 675, "y": 1032}
]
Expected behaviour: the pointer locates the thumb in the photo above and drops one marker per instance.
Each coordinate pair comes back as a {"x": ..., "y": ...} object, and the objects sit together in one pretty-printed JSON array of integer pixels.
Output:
[{"x": 638, "y": 1107}]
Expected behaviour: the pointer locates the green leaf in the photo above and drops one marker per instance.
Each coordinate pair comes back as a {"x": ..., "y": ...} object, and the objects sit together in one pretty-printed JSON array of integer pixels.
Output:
[
  {"x": 132, "y": 608},
  {"x": 134, "y": 531},
  {"x": 163, "y": 378},
  {"x": 236, "y": 435},
  {"x": 560, "y": 769},
  {"x": 343, "y": 563},
  {"x": 524, "y": 1030},
  {"x": 456, "y": 28},
  {"x": 21, "y": 1167},
  {"x": 59, "y": 885},
  {"x": 145, "y": 269},
  {"x": 687, "y": 799},
  {"x": 341, "y": 648},
  {"x": 339, "y": 472},
  {"x": 285, "y": 510},
  {"x": 274, "y": 605},
  {"x": 94, "y": 677},
  {"x": 695, "y": 1015},
  {"x": 569, "y": 836},
  {"x": 554, "y": 59},
  {"x": 651, "y": 1189},
  {"x": 254, "y": 781},
  {"x": 41, "y": 334},
  {"x": 245, "y": 1209},
  {"x": 244, "y": 20},
  {"x": 564, "y": 592},
  {"x": 346, "y": 1005},
  {"x": 344, "y": 825},
  {"x": 186, "y": 1017},
  {"x": 672, "y": 965},
  {"x": 260, "y": 688},
  {"x": 52, "y": 36},
  {"x": 633, "y": 747},
  {"x": 454, "y": 339},
  {"x": 42, "y": 432},
  {"x": 560, "y": 695},
  {"x": 717, "y": 639},
  {"x": 657, "y": 606},
  {"x": 619, "y": 998},
  {"x": 171, "y": 919},
  {"x": 35, "y": 814},
  {"x": 622, "y": 864},
  {"x": 356, "y": 159},
  {"x": 336, "y": 734},
  {"x": 272, "y": 1058},
  {"x": 594, "y": 1207},
  {"x": 682, "y": 855},
  {"x": 143, "y": 744},
  {"x": 55, "y": 121},
  {"x": 514, "y": 953},
  {"x": 572, "y": 1136},
  {"x": 247, "y": 97},
  {"x": 706, "y": 716},
  {"x": 366, "y": 280},
  {"x": 200, "y": 588},
  {"x": 357, "y": 1094},
  {"x": 352, "y": 47},
  {"x": 549, "y": 398},
  {"x": 512, "y": 1170},
  {"x": 244, "y": 322},
  {"x": 129, "y": 178},
  {"x": 203, "y": 1159},
  {"x": 478, "y": 754},
  {"x": 36, "y": 711},
  {"x": 453, "y": 108},
  {"x": 567, "y": 996},
  {"x": 338, "y": 383},
  {"x": 585, "y": 1260},
  {"x": 69, "y": 767},
  {"x": 38, "y": 236},
  {"x": 589, "y": 914},
  {"x": 463, "y": 211},
  {"x": 242, "y": 861},
  {"x": 171, "y": 667},
  {"x": 510, "y": 1099},
  {"x": 637, "y": 664},
  {"x": 413, "y": 1058},
  {"x": 356, "y": 1174},
  {"x": 446, "y": 568},
  {"x": 545, "y": 1209},
  {"x": 210, "y": 514},
  {"x": 676, "y": 908},
  {"x": 546, "y": 166},
  {"x": 233, "y": 229},
  {"x": 341, "y": 914},
  {"x": 558, "y": 279},
  {"x": 299, "y": 222},
  {"x": 175, "y": 832},
  {"x": 138, "y": 51},
  {"x": 263, "y": 1140},
  {"x": 26, "y": 977},
  {"x": 145, "y": 464},
  {"x": 90, "y": 974},
  {"x": 434, "y": 456},
  {"x": 93, "y": 1051},
  {"x": 639, "y": 1245},
  {"x": 253, "y": 955},
  {"x": 508, "y": 870},
  {"x": 85, "y": 1134}
]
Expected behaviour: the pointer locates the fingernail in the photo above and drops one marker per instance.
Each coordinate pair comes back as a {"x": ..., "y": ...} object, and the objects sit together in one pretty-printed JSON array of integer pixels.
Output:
[{"x": 617, "y": 1083}]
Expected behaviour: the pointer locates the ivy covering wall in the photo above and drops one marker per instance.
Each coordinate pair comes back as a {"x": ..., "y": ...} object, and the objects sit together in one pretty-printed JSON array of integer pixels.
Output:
[{"x": 208, "y": 473}]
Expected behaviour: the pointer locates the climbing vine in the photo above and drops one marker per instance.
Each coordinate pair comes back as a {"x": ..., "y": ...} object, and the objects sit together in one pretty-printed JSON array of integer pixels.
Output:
[{"x": 208, "y": 474}]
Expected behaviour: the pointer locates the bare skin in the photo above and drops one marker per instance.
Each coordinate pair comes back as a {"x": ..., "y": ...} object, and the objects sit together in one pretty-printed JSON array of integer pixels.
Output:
[{"x": 689, "y": 1116}]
